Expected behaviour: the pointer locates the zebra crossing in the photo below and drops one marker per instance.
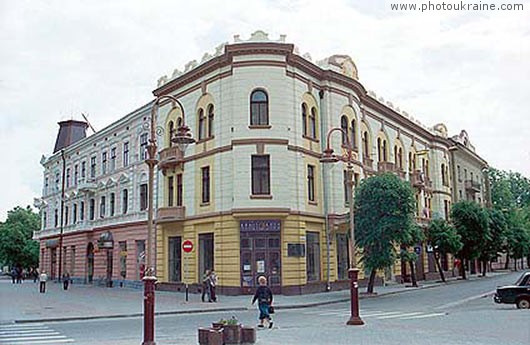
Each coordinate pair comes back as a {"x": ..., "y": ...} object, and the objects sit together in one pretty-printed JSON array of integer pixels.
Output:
[
  {"x": 29, "y": 334},
  {"x": 378, "y": 314}
]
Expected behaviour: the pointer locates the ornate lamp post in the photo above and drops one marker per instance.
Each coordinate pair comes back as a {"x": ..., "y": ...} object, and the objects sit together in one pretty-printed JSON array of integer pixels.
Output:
[
  {"x": 353, "y": 272},
  {"x": 183, "y": 138}
]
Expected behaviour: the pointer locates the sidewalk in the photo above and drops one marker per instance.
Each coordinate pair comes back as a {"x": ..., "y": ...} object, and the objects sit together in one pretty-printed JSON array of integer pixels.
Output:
[{"x": 23, "y": 302}]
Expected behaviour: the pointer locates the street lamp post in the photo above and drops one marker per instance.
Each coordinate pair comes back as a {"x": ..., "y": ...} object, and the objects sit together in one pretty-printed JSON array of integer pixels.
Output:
[
  {"x": 353, "y": 272},
  {"x": 182, "y": 139}
]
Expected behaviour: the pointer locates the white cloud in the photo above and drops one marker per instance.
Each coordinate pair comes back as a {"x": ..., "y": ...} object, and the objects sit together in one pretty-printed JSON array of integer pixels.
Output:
[{"x": 58, "y": 59}]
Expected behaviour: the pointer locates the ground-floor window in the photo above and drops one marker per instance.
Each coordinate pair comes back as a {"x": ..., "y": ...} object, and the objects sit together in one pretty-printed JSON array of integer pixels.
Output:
[
  {"x": 140, "y": 259},
  {"x": 123, "y": 259},
  {"x": 205, "y": 253},
  {"x": 343, "y": 257},
  {"x": 175, "y": 258},
  {"x": 313, "y": 256},
  {"x": 72, "y": 261},
  {"x": 53, "y": 263}
]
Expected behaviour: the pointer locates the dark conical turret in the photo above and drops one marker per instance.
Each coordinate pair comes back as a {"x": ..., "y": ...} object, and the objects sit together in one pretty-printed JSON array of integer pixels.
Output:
[{"x": 70, "y": 132}]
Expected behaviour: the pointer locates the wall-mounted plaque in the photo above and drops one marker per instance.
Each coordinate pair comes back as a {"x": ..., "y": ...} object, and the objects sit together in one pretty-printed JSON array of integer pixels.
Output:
[{"x": 296, "y": 249}]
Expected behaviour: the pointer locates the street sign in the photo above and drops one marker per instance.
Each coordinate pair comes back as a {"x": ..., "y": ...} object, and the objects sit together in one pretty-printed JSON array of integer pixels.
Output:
[{"x": 187, "y": 246}]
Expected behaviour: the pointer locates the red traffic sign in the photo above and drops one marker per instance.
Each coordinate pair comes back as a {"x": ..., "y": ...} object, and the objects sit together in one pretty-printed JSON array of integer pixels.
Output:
[{"x": 187, "y": 246}]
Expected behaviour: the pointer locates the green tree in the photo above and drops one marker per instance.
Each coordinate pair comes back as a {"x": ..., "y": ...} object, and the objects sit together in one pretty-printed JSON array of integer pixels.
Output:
[
  {"x": 519, "y": 235},
  {"x": 411, "y": 239},
  {"x": 384, "y": 218},
  {"x": 496, "y": 242},
  {"x": 444, "y": 239},
  {"x": 17, "y": 248},
  {"x": 471, "y": 223}
]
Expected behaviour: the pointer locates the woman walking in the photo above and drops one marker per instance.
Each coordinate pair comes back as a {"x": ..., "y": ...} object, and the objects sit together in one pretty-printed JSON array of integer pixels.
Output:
[{"x": 264, "y": 297}]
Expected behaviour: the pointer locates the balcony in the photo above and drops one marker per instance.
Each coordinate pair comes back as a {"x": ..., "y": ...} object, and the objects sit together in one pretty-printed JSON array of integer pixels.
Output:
[
  {"x": 401, "y": 174},
  {"x": 417, "y": 179},
  {"x": 368, "y": 162},
  {"x": 170, "y": 214},
  {"x": 472, "y": 186},
  {"x": 384, "y": 167},
  {"x": 88, "y": 185},
  {"x": 170, "y": 158}
]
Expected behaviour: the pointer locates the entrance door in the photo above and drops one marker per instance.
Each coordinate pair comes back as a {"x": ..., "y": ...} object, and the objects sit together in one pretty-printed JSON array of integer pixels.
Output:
[
  {"x": 175, "y": 259},
  {"x": 260, "y": 256},
  {"x": 90, "y": 262},
  {"x": 109, "y": 268},
  {"x": 53, "y": 263}
]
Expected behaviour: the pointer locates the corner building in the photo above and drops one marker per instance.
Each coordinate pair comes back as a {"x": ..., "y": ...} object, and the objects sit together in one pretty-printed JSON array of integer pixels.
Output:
[{"x": 251, "y": 193}]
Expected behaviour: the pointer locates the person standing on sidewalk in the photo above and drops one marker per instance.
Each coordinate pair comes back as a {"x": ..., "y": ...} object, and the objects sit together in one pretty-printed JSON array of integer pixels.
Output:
[
  {"x": 213, "y": 284},
  {"x": 206, "y": 286},
  {"x": 66, "y": 280},
  {"x": 264, "y": 297},
  {"x": 43, "y": 278}
]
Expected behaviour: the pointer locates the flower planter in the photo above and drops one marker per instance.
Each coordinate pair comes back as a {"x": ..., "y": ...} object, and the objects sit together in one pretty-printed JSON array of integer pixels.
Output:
[
  {"x": 208, "y": 336},
  {"x": 217, "y": 325},
  {"x": 248, "y": 335},
  {"x": 232, "y": 334}
]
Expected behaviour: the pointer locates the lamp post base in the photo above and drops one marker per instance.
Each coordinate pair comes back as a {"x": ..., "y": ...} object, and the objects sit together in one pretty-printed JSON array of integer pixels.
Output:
[
  {"x": 355, "y": 319},
  {"x": 149, "y": 310}
]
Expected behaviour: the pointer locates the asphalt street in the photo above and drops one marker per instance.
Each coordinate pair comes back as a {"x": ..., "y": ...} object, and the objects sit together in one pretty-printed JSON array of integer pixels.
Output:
[{"x": 459, "y": 313}]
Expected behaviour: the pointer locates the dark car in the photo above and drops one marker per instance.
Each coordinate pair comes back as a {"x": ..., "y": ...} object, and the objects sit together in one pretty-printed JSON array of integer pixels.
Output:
[{"x": 518, "y": 294}]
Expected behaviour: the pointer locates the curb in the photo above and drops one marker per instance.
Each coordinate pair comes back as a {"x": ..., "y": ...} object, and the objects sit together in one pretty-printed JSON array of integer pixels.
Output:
[{"x": 228, "y": 309}]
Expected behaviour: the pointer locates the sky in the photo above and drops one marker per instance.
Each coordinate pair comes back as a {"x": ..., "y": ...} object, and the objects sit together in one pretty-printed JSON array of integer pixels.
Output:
[{"x": 58, "y": 59}]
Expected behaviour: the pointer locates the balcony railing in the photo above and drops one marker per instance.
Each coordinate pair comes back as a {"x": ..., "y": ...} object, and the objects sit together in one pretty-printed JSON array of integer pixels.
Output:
[
  {"x": 417, "y": 178},
  {"x": 87, "y": 185},
  {"x": 472, "y": 186},
  {"x": 401, "y": 174},
  {"x": 368, "y": 162},
  {"x": 170, "y": 157},
  {"x": 383, "y": 167},
  {"x": 169, "y": 214}
]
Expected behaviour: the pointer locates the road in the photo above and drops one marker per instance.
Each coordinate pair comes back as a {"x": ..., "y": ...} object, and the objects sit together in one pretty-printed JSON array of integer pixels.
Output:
[{"x": 454, "y": 314}]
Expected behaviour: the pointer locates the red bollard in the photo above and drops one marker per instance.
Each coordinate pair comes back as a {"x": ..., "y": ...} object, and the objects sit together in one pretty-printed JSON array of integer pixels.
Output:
[
  {"x": 149, "y": 310},
  {"x": 355, "y": 319}
]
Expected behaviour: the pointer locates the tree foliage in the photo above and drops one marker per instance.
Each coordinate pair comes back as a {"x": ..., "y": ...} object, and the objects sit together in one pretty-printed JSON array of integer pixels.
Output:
[
  {"x": 17, "y": 248},
  {"x": 384, "y": 217},
  {"x": 444, "y": 239},
  {"x": 471, "y": 223}
]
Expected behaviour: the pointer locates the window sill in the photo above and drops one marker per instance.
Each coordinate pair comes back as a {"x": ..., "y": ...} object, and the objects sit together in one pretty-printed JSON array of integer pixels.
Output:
[
  {"x": 259, "y": 127},
  {"x": 313, "y": 203},
  {"x": 200, "y": 141},
  {"x": 311, "y": 138},
  {"x": 204, "y": 204},
  {"x": 261, "y": 196}
]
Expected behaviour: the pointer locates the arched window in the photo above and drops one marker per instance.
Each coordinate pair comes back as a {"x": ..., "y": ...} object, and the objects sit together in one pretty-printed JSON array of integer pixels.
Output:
[
  {"x": 443, "y": 174},
  {"x": 396, "y": 155},
  {"x": 304, "y": 119},
  {"x": 313, "y": 123},
  {"x": 411, "y": 169},
  {"x": 202, "y": 124},
  {"x": 385, "y": 153},
  {"x": 171, "y": 127},
  {"x": 210, "y": 120},
  {"x": 259, "y": 108},
  {"x": 344, "y": 127},
  {"x": 353, "y": 138},
  {"x": 379, "y": 153},
  {"x": 400, "y": 158},
  {"x": 366, "y": 151}
]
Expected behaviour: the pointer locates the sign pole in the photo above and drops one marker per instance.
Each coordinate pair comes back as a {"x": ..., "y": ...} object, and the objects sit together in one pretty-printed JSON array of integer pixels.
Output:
[{"x": 187, "y": 247}]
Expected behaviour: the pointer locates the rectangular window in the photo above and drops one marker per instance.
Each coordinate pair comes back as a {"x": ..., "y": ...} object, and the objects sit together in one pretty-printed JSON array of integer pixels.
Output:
[
  {"x": 124, "y": 201},
  {"x": 125, "y": 153},
  {"x": 343, "y": 257},
  {"x": 68, "y": 178},
  {"x": 140, "y": 259},
  {"x": 102, "y": 207},
  {"x": 83, "y": 170},
  {"x": 205, "y": 253},
  {"x": 143, "y": 146},
  {"x": 170, "y": 191},
  {"x": 104, "y": 163},
  {"x": 143, "y": 197},
  {"x": 93, "y": 167},
  {"x": 57, "y": 178},
  {"x": 76, "y": 174},
  {"x": 46, "y": 184},
  {"x": 72, "y": 261},
  {"x": 66, "y": 215},
  {"x": 311, "y": 182},
  {"x": 44, "y": 219},
  {"x": 74, "y": 214},
  {"x": 205, "y": 171},
  {"x": 91, "y": 209},
  {"x": 123, "y": 259},
  {"x": 260, "y": 175},
  {"x": 113, "y": 159},
  {"x": 82, "y": 211},
  {"x": 179, "y": 189},
  {"x": 56, "y": 218},
  {"x": 313, "y": 256},
  {"x": 347, "y": 194},
  {"x": 112, "y": 203},
  {"x": 465, "y": 174}
]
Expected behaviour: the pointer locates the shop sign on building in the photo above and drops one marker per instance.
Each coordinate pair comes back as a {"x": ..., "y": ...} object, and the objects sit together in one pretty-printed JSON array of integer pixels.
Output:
[{"x": 259, "y": 225}]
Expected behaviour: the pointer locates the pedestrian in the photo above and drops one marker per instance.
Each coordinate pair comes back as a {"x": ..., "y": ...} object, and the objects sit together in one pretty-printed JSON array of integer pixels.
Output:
[
  {"x": 43, "y": 278},
  {"x": 66, "y": 280},
  {"x": 13, "y": 275},
  {"x": 19, "y": 275},
  {"x": 206, "y": 286},
  {"x": 213, "y": 284},
  {"x": 264, "y": 297},
  {"x": 35, "y": 275}
]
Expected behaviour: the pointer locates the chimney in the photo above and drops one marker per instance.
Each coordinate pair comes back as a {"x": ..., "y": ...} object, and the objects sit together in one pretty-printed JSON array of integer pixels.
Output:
[{"x": 70, "y": 132}]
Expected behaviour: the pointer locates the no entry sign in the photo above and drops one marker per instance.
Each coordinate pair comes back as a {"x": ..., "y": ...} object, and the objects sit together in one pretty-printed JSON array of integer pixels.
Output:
[{"x": 187, "y": 246}]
